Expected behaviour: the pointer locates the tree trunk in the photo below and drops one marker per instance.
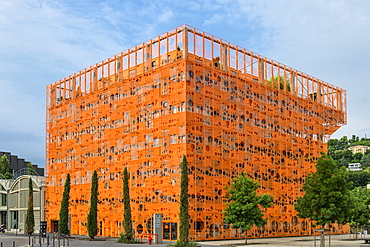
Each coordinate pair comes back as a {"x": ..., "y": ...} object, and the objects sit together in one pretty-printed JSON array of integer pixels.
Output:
[
  {"x": 246, "y": 237},
  {"x": 322, "y": 238},
  {"x": 356, "y": 232}
]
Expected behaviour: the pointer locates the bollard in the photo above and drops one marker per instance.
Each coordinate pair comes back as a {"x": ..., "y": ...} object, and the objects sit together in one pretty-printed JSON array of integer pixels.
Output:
[
  {"x": 13, "y": 243},
  {"x": 29, "y": 239},
  {"x": 1, "y": 244},
  {"x": 64, "y": 241},
  {"x": 47, "y": 240}
]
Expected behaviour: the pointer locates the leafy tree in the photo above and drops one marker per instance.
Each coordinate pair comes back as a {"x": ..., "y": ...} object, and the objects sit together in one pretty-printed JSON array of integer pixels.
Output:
[
  {"x": 354, "y": 139},
  {"x": 127, "y": 208},
  {"x": 328, "y": 198},
  {"x": 342, "y": 143},
  {"x": 30, "y": 217},
  {"x": 30, "y": 170},
  {"x": 92, "y": 217},
  {"x": 365, "y": 142},
  {"x": 244, "y": 207},
  {"x": 359, "y": 178},
  {"x": 278, "y": 82},
  {"x": 63, "y": 213},
  {"x": 184, "y": 201},
  {"x": 342, "y": 157},
  {"x": 5, "y": 168},
  {"x": 361, "y": 215},
  {"x": 357, "y": 158},
  {"x": 365, "y": 161}
]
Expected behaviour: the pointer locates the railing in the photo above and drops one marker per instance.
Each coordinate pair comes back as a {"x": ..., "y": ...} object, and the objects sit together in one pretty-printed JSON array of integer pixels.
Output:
[
  {"x": 148, "y": 236},
  {"x": 188, "y": 42}
]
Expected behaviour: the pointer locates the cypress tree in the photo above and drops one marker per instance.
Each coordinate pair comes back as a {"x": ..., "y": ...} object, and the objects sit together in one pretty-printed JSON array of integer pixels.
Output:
[
  {"x": 127, "y": 208},
  {"x": 92, "y": 218},
  {"x": 30, "y": 217},
  {"x": 63, "y": 213},
  {"x": 184, "y": 201}
]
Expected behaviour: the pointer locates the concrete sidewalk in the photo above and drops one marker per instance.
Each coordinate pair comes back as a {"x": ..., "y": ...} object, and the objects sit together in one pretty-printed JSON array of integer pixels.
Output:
[{"x": 10, "y": 240}]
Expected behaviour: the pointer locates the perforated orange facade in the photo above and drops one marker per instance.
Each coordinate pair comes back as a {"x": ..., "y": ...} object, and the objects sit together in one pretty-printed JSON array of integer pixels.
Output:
[{"x": 189, "y": 93}]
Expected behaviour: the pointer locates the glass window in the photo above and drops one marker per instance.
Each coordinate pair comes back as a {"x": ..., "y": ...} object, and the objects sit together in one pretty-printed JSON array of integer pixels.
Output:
[
  {"x": 139, "y": 56},
  {"x": 171, "y": 43},
  {"x": 208, "y": 49},
  {"x": 155, "y": 50},
  {"x": 190, "y": 42},
  {"x": 179, "y": 41},
  {"x": 199, "y": 45},
  {"x": 132, "y": 59},
  {"x": 163, "y": 44}
]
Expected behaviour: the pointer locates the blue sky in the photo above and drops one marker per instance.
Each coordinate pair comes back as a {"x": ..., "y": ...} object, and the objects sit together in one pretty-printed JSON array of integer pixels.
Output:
[{"x": 42, "y": 41}]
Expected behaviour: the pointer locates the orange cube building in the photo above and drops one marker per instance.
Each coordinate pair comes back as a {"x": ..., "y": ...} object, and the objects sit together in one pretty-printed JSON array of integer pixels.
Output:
[{"x": 186, "y": 92}]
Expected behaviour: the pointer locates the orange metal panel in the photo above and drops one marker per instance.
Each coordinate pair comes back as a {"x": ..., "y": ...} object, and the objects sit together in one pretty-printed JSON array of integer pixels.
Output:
[{"x": 186, "y": 93}]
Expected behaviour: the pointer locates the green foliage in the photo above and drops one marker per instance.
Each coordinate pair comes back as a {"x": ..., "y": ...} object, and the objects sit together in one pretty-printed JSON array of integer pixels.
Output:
[
  {"x": 244, "y": 207},
  {"x": 335, "y": 144},
  {"x": 328, "y": 198},
  {"x": 359, "y": 179},
  {"x": 129, "y": 236},
  {"x": 30, "y": 217},
  {"x": 361, "y": 215},
  {"x": 279, "y": 82},
  {"x": 184, "y": 201},
  {"x": 123, "y": 239},
  {"x": 357, "y": 157},
  {"x": 354, "y": 139},
  {"x": 365, "y": 160},
  {"x": 365, "y": 142},
  {"x": 180, "y": 243},
  {"x": 92, "y": 218},
  {"x": 5, "y": 168},
  {"x": 63, "y": 213},
  {"x": 30, "y": 170}
]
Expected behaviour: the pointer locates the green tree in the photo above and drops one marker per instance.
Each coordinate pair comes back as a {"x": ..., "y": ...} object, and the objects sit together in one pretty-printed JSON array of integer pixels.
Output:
[
  {"x": 342, "y": 143},
  {"x": 30, "y": 217},
  {"x": 92, "y": 217},
  {"x": 243, "y": 209},
  {"x": 184, "y": 201},
  {"x": 354, "y": 139},
  {"x": 361, "y": 215},
  {"x": 357, "y": 157},
  {"x": 63, "y": 213},
  {"x": 279, "y": 81},
  {"x": 359, "y": 178},
  {"x": 30, "y": 170},
  {"x": 5, "y": 168},
  {"x": 127, "y": 208},
  {"x": 327, "y": 197},
  {"x": 365, "y": 161}
]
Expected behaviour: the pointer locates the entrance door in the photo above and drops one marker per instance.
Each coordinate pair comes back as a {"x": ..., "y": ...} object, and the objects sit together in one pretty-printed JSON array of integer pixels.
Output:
[
  {"x": 170, "y": 231},
  {"x": 54, "y": 225}
]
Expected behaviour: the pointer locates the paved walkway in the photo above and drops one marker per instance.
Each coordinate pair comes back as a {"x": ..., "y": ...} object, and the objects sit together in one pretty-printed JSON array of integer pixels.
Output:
[{"x": 10, "y": 240}]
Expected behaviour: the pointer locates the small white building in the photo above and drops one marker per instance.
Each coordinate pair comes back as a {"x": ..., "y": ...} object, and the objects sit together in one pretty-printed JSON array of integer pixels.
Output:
[{"x": 354, "y": 167}]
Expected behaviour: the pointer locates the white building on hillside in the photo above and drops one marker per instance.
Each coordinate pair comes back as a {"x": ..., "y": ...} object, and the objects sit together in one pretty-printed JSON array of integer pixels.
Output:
[{"x": 354, "y": 167}]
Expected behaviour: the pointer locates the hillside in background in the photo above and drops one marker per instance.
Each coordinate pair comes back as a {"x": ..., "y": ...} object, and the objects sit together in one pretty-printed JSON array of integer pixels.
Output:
[{"x": 338, "y": 150}]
